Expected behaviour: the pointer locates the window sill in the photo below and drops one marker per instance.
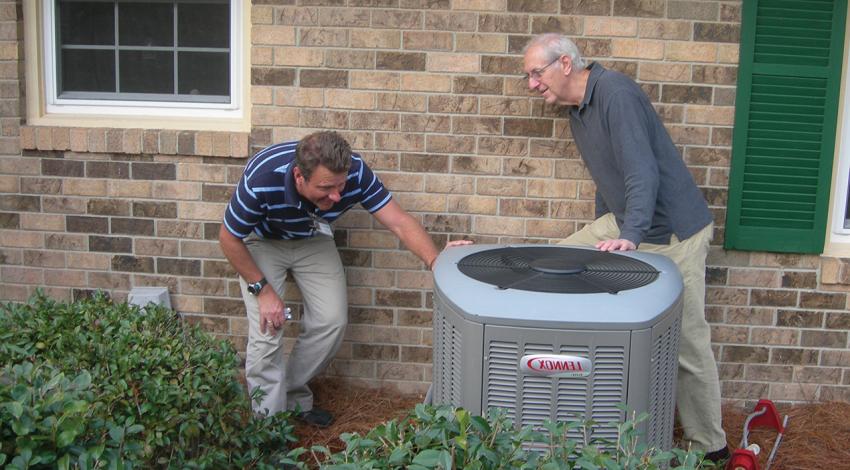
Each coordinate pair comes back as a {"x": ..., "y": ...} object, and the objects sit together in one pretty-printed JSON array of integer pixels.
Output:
[{"x": 136, "y": 141}]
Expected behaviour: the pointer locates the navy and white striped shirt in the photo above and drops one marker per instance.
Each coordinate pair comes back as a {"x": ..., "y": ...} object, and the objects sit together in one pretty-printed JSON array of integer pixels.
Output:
[{"x": 266, "y": 202}]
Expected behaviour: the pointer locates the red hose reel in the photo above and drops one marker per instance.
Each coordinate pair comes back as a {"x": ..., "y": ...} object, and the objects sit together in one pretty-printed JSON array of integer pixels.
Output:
[{"x": 764, "y": 415}]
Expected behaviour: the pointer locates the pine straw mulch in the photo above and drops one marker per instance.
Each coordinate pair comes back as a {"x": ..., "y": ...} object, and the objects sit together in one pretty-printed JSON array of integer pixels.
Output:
[
  {"x": 817, "y": 436},
  {"x": 355, "y": 409}
]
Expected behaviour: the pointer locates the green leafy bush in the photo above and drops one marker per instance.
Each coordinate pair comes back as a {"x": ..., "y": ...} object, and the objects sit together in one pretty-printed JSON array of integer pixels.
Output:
[
  {"x": 447, "y": 438},
  {"x": 97, "y": 384}
]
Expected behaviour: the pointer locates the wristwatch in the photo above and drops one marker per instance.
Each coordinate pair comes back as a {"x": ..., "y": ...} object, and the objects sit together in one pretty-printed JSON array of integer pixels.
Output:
[{"x": 256, "y": 287}]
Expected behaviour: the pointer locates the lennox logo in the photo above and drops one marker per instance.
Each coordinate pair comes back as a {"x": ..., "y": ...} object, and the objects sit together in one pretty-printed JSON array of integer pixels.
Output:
[{"x": 552, "y": 365}]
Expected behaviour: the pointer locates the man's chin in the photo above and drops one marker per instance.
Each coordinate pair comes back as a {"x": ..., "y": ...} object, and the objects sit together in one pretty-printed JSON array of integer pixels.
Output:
[{"x": 548, "y": 97}]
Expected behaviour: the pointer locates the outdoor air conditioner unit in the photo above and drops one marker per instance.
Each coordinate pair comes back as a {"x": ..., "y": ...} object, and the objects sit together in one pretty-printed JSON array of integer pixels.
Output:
[{"x": 559, "y": 333}]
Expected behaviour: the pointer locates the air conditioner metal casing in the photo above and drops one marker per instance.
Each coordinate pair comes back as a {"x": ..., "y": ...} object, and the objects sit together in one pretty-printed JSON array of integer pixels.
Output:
[{"x": 481, "y": 332}]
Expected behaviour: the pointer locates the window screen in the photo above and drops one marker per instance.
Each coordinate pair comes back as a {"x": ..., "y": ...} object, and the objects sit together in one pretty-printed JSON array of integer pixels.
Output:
[{"x": 167, "y": 50}]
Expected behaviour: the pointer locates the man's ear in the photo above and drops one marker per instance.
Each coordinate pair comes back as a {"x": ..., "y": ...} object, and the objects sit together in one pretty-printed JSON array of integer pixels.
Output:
[
  {"x": 566, "y": 64},
  {"x": 299, "y": 177}
]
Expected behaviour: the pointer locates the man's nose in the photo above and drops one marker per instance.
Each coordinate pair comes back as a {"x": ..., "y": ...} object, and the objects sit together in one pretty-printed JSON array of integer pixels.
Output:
[
  {"x": 532, "y": 83},
  {"x": 335, "y": 196}
]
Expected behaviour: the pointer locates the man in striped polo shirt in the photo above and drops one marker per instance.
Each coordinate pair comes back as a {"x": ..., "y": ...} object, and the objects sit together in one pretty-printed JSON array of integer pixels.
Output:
[{"x": 278, "y": 220}]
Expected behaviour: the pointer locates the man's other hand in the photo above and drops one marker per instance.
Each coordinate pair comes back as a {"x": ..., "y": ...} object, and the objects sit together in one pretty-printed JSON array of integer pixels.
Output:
[
  {"x": 271, "y": 311},
  {"x": 619, "y": 244}
]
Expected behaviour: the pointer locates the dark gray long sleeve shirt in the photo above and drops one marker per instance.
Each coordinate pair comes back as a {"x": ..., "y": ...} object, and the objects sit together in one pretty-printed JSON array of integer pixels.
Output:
[{"x": 639, "y": 174}]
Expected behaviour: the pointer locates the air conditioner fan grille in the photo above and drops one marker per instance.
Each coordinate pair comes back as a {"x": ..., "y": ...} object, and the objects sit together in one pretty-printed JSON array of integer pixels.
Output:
[{"x": 557, "y": 270}]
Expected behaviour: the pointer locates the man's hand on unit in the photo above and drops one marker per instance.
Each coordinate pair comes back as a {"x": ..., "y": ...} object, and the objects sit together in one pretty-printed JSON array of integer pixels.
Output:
[
  {"x": 449, "y": 245},
  {"x": 458, "y": 243},
  {"x": 619, "y": 244}
]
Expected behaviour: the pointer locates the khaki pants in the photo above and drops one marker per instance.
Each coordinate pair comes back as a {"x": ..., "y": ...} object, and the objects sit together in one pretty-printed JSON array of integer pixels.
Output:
[
  {"x": 698, "y": 387},
  {"x": 318, "y": 272}
]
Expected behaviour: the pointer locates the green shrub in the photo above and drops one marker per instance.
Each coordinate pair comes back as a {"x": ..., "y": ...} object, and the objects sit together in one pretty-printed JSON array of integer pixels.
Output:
[
  {"x": 447, "y": 438},
  {"x": 97, "y": 384}
]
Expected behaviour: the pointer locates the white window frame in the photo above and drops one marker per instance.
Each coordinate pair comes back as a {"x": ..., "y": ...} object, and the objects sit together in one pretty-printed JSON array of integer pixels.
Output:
[
  {"x": 842, "y": 177},
  {"x": 54, "y": 106},
  {"x": 837, "y": 241}
]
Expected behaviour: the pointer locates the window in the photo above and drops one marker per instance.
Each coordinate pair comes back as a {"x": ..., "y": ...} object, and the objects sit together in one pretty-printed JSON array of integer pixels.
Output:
[
  {"x": 148, "y": 51},
  {"x": 170, "y": 58},
  {"x": 841, "y": 209},
  {"x": 838, "y": 242},
  {"x": 785, "y": 120}
]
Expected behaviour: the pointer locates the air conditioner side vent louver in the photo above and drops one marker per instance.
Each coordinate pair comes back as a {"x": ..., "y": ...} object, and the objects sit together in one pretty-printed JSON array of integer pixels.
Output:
[
  {"x": 665, "y": 348},
  {"x": 457, "y": 373},
  {"x": 502, "y": 376}
]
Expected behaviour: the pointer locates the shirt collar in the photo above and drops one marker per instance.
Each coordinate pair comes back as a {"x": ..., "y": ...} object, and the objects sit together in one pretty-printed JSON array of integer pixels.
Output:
[{"x": 596, "y": 71}]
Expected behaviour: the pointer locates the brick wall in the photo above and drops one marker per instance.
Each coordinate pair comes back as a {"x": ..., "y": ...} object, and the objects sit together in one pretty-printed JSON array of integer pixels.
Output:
[{"x": 429, "y": 93}]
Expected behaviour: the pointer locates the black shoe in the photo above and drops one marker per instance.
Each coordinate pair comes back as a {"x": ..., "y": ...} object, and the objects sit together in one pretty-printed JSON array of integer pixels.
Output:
[
  {"x": 718, "y": 456},
  {"x": 316, "y": 417}
]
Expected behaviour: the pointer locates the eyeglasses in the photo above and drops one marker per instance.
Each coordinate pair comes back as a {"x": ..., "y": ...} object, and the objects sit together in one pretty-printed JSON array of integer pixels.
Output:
[{"x": 537, "y": 73}]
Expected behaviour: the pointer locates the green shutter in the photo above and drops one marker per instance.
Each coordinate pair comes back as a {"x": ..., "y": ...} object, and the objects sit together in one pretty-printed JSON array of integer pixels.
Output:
[{"x": 789, "y": 80}]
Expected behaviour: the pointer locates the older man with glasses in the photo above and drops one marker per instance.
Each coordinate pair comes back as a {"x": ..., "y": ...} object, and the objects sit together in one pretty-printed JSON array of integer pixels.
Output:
[{"x": 646, "y": 199}]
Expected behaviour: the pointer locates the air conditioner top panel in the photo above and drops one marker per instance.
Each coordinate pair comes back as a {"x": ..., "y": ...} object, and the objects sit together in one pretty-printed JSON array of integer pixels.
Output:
[{"x": 483, "y": 298}]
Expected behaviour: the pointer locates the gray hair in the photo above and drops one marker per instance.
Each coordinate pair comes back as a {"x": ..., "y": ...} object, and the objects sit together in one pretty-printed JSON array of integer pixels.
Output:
[
  {"x": 325, "y": 148},
  {"x": 555, "y": 45}
]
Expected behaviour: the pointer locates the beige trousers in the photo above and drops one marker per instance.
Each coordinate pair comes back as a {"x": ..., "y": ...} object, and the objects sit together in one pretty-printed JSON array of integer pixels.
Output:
[
  {"x": 318, "y": 272},
  {"x": 698, "y": 386}
]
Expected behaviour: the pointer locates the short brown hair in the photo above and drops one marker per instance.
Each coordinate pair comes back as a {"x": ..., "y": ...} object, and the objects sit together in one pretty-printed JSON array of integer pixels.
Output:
[{"x": 325, "y": 148}]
